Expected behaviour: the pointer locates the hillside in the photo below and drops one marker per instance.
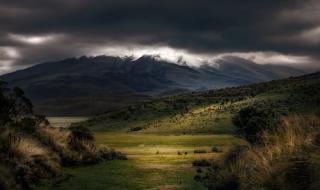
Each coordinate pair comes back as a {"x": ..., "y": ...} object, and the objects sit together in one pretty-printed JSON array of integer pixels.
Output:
[
  {"x": 211, "y": 112},
  {"x": 90, "y": 85},
  {"x": 31, "y": 150}
]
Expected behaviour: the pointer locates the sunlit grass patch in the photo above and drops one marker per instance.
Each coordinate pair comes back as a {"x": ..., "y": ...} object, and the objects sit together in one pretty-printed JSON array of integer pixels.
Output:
[
  {"x": 135, "y": 140},
  {"x": 153, "y": 162},
  {"x": 64, "y": 121}
]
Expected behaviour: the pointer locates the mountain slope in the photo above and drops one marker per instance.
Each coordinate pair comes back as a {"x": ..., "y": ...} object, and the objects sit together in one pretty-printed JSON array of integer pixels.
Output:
[
  {"x": 85, "y": 86},
  {"x": 211, "y": 112}
]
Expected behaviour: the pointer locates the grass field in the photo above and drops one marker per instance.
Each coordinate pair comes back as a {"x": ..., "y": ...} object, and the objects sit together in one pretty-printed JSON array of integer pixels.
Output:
[
  {"x": 64, "y": 121},
  {"x": 161, "y": 153},
  {"x": 153, "y": 162}
]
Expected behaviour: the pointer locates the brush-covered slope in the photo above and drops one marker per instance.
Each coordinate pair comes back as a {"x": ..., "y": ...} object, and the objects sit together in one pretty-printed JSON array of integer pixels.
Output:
[
  {"x": 31, "y": 150},
  {"x": 212, "y": 111},
  {"x": 92, "y": 85}
]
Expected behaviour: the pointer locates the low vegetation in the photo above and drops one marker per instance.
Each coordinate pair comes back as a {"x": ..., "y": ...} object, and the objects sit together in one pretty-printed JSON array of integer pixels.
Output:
[
  {"x": 31, "y": 150},
  {"x": 286, "y": 158},
  {"x": 282, "y": 150}
]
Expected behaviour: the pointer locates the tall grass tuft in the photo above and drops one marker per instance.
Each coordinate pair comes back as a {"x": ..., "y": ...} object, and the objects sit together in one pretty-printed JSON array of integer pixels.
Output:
[{"x": 283, "y": 160}]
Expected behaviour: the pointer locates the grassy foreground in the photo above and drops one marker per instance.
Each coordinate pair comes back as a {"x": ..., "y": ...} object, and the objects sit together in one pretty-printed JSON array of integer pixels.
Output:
[
  {"x": 160, "y": 138},
  {"x": 154, "y": 162}
]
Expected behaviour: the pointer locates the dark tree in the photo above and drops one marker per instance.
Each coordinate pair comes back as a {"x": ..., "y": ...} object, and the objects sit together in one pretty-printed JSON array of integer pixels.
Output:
[
  {"x": 252, "y": 120},
  {"x": 13, "y": 104}
]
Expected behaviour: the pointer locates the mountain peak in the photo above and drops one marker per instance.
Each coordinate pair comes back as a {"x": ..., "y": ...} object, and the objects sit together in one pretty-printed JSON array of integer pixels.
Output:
[{"x": 88, "y": 85}]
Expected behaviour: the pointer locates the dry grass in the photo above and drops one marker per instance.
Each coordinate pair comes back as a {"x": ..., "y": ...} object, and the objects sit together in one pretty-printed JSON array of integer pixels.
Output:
[
  {"x": 30, "y": 148},
  {"x": 40, "y": 155},
  {"x": 283, "y": 151},
  {"x": 294, "y": 135},
  {"x": 59, "y": 136}
]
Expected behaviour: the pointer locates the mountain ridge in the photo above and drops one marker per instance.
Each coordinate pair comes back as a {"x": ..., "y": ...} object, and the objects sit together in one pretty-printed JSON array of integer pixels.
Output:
[{"x": 90, "y": 85}]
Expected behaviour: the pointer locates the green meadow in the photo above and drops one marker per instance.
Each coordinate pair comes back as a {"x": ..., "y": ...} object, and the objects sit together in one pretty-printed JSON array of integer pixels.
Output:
[
  {"x": 160, "y": 155},
  {"x": 154, "y": 162}
]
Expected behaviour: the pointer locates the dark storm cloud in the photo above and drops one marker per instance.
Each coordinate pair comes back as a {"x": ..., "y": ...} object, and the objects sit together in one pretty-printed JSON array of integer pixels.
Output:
[{"x": 197, "y": 26}]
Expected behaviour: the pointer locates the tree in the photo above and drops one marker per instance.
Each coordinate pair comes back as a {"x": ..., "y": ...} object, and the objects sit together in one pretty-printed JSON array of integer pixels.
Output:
[
  {"x": 13, "y": 104},
  {"x": 251, "y": 121}
]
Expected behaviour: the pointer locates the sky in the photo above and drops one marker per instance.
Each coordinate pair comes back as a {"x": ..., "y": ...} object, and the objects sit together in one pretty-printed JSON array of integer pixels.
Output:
[{"x": 192, "y": 32}]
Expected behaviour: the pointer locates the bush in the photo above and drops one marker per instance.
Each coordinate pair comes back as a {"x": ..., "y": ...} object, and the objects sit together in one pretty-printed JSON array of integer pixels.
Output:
[
  {"x": 77, "y": 138},
  {"x": 136, "y": 129},
  {"x": 216, "y": 149},
  {"x": 235, "y": 153},
  {"x": 81, "y": 133},
  {"x": 253, "y": 120},
  {"x": 201, "y": 163},
  {"x": 13, "y": 104},
  {"x": 199, "y": 151},
  {"x": 112, "y": 154},
  {"x": 42, "y": 120},
  {"x": 27, "y": 125}
]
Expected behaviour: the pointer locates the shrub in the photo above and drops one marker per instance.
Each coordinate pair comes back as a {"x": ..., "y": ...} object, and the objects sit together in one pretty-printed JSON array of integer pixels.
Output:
[
  {"x": 216, "y": 149},
  {"x": 252, "y": 120},
  {"x": 81, "y": 133},
  {"x": 13, "y": 104},
  {"x": 110, "y": 154},
  {"x": 135, "y": 129},
  {"x": 201, "y": 163},
  {"x": 41, "y": 120},
  {"x": 27, "y": 125},
  {"x": 235, "y": 153},
  {"x": 199, "y": 151}
]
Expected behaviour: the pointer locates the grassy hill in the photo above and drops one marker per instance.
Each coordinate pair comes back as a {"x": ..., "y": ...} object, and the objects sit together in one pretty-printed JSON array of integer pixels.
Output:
[{"x": 210, "y": 112}]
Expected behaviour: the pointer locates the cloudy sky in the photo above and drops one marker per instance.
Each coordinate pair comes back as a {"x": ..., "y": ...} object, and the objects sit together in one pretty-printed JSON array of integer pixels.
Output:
[{"x": 191, "y": 31}]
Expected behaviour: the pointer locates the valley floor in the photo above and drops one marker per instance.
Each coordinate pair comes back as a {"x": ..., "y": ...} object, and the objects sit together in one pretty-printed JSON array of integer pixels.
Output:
[{"x": 153, "y": 162}]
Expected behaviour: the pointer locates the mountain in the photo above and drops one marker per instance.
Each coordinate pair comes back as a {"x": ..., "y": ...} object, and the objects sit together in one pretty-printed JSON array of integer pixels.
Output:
[{"x": 90, "y": 85}]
